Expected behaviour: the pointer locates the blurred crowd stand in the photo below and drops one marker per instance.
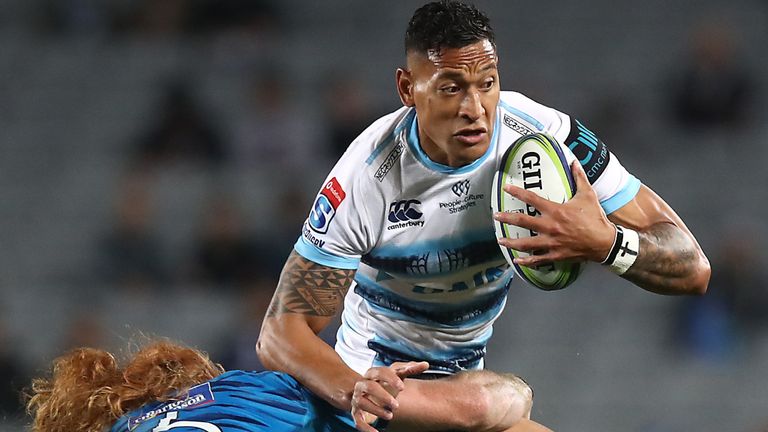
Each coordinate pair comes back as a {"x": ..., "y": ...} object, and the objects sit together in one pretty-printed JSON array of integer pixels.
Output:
[
  {"x": 162, "y": 156},
  {"x": 723, "y": 325},
  {"x": 13, "y": 375},
  {"x": 713, "y": 87},
  {"x": 129, "y": 255}
]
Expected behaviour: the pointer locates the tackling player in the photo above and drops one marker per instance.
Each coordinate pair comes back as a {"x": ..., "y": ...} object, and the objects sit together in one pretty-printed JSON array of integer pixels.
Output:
[
  {"x": 401, "y": 233},
  {"x": 165, "y": 386}
]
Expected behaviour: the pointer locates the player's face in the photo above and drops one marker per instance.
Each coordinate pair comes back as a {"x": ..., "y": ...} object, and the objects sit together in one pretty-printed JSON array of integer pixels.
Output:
[{"x": 455, "y": 92}]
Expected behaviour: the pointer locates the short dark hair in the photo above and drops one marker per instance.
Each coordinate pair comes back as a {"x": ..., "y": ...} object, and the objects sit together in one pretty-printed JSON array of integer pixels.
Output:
[{"x": 446, "y": 24}]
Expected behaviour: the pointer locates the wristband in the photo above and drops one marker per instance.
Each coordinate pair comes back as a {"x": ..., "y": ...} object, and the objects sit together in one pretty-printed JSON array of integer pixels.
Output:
[{"x": 626, "y": 247}]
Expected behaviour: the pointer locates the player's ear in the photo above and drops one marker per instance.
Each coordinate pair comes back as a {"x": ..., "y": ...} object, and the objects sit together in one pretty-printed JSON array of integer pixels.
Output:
[{"x": 405, "y": 86}]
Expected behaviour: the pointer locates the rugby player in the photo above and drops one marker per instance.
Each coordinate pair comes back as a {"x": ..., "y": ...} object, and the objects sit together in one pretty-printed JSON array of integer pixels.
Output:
[
  {"x": 401, "y": 234},
  {"x": 166, "y": 386}
]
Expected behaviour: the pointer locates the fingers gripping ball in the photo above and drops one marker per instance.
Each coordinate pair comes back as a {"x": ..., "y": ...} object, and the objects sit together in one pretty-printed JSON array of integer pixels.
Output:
[{"x": 537, "y": 164}]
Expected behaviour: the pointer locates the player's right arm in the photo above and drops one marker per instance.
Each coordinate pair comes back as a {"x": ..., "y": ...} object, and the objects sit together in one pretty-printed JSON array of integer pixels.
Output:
[{"x": 308, "y": 296}]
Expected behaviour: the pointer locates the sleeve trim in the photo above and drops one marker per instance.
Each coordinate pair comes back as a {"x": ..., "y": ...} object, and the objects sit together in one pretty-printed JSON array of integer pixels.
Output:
[
  {"x": 319, "y": 256},
  {"x": 624, "y": 196}
]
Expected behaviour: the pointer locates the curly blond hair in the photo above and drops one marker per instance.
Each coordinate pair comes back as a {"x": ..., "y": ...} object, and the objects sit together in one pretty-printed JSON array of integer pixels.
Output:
[{"x": 88, "y": 390}]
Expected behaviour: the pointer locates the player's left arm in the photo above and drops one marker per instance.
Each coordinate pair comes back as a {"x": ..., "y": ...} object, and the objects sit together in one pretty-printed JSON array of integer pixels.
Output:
[{"x": 669, "y": 260}]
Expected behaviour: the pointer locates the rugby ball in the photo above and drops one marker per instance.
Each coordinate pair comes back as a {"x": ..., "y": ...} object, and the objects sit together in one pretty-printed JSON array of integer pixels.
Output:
[{"x": 536, "y": 163}]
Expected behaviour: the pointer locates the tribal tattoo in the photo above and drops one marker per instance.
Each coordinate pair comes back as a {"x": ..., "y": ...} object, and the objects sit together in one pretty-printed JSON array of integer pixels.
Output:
[
  {"x": 667, "y": 256},
  {"x": 308, "y": 288}
]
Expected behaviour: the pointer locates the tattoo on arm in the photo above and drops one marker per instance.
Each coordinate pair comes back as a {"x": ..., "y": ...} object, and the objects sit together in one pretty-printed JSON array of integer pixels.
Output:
[
  {"x": 308, "y": 288},
  {"x": 666, "y": 256}
]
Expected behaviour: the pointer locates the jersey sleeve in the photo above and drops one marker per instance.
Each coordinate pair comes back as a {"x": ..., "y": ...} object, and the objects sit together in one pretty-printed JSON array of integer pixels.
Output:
[
  {"x": 337, "y": 231},
  {"x": 614, "y": 185}
]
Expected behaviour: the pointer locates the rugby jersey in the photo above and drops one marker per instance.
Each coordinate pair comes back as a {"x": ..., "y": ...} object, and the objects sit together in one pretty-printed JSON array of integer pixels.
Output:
[
  {"x": 234, "y": 401},
  {"x": 430, "y": 277}
]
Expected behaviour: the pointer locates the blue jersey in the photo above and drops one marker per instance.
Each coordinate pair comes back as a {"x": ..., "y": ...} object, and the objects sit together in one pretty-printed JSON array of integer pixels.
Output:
[{"x": 234, "y": 401}]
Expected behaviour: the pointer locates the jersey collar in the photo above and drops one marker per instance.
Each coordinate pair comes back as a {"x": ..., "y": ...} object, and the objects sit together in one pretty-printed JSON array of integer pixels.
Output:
[{"x": 415, "y": 146}]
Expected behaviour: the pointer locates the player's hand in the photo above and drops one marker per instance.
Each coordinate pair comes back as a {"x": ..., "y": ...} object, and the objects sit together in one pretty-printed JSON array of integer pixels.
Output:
[
  {"x": 577, "y": 230},
  {"x": 375, "y": 394}
]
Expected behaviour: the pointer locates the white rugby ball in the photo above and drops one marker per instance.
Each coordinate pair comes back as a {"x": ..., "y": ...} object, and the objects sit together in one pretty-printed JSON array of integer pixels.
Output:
[{"x": 536, "y": 163}]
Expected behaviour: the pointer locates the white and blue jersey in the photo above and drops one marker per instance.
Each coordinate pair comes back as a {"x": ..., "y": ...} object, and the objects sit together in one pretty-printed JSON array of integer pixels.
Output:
[{"x": 430, "y": 277}]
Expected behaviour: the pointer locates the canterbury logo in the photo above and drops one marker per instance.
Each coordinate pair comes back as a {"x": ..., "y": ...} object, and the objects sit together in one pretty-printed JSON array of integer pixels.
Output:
[
  {"x": 461, "y": 188},
  {"x": 403, "y": 211}
]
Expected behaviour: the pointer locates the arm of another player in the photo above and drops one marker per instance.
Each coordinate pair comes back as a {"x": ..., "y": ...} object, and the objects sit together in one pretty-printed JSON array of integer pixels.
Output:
[
  {"x": 478, "y": 401},
  {"x": 307, "y": 297},
  {"x": 670, "y": 260}
]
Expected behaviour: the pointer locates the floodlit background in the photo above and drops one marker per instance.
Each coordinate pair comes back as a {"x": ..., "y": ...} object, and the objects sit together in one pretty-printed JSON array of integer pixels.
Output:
[{"x": 157, "y": 159}]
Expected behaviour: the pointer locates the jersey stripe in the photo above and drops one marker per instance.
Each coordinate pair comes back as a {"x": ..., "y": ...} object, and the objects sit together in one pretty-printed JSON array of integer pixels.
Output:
[
  {"x": 621, "y": 198},
  {"x": 388, "y": 352},
  {"x": 391, "y": 138},
  {"x": 537, "y": 124},
  {"x": 319, "y": 256},
  {"x": 465, "y": 315}
]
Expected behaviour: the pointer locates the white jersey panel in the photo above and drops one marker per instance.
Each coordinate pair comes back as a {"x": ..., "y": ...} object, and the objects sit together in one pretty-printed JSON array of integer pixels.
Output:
[
  {"x": 338, "y": 230},
  {"x": 430, "y": 277}
]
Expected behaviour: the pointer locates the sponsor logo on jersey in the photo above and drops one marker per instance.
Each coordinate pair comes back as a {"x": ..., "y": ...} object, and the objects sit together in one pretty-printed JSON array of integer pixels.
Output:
[
  {"x": 592, "y": 153},
  {"x": 326, "y": 203},
  {"x": 404, "y": 214},
  {"x": 516, "y": 126},
  {"x": 389, "y": 162},
  {"x": 434, "y": 260},
  {"x": 466, "y": 200},
  {"x": 477, "y": 280},
  {"x": 381, "y": 276},
  {"x": 307, "y": 233},
  {"x": 198, "y": 396},
  {"x": 334, "y": 192},
  {"x": 461, "y": 188}
]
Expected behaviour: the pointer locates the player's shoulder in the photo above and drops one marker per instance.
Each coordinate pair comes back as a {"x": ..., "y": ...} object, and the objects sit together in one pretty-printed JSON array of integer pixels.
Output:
[
  {"x": 256, "y": 391},
  {"x": 382, "y": 132},
  {"x": 514, "y": 98},
  {"x": 258, "y": 377},
  {"x": 377, "y": 149},
  {"x": 516, "y": 101},
  {"x": 525, "y": 115}
]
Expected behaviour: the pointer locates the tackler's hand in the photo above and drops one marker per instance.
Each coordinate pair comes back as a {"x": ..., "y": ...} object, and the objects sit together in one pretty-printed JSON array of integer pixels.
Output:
[
  {"x": 375, "y": 394},
  {"x": 577, "y": 230}
]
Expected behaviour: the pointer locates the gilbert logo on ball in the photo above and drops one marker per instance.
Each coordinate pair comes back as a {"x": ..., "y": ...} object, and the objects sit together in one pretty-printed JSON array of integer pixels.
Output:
[{"x": 535, "y": 163}]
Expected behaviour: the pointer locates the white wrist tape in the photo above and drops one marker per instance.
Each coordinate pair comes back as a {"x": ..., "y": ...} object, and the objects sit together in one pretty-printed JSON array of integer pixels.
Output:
[{"x": 626, "y": 247}]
